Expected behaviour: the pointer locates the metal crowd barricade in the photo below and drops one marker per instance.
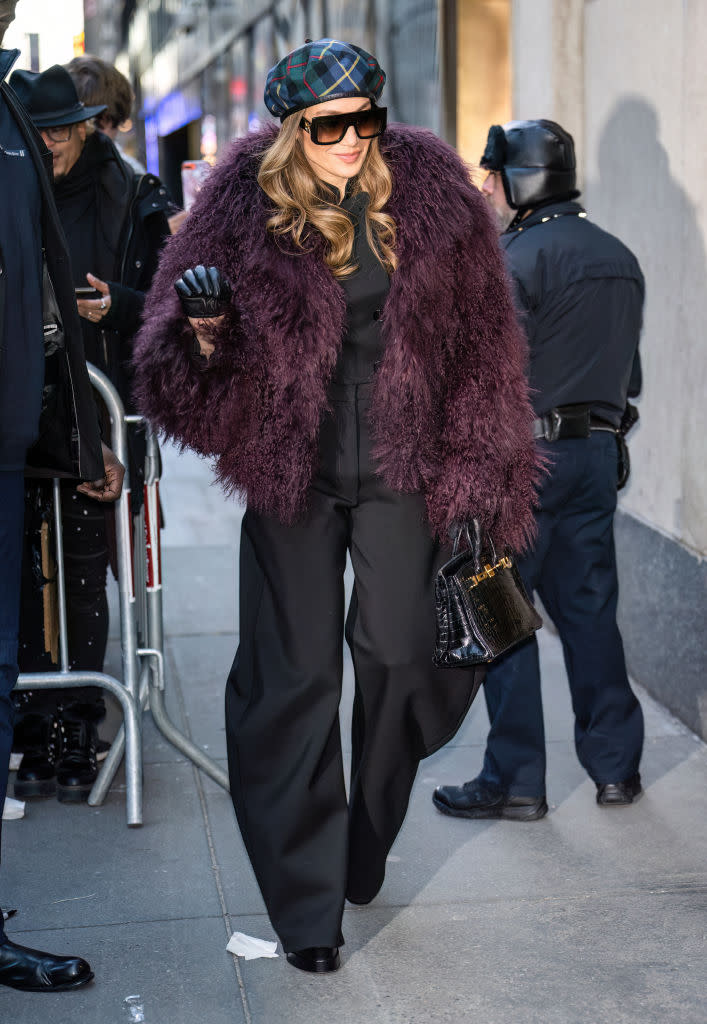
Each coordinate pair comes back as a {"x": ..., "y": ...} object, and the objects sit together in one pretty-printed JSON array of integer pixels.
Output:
[
  {"x": 140, "y": 600},
  {"x": 148, "y": 573},
  {"x": 126, "y": 691}
]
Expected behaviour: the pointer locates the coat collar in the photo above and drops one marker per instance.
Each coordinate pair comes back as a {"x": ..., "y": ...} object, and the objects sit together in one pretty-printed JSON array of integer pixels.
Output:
[
  {"x": 547, "y": 212},
  {"x": 7, "y": 61}
]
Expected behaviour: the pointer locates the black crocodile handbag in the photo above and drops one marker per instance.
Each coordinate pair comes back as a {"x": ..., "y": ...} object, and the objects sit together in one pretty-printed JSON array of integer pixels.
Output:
[{"x": 482, "y": 607}]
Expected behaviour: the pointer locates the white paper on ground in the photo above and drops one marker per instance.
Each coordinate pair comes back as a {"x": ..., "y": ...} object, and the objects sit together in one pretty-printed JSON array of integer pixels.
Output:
[
  {"x": 13, "y": 809},
  {"x": 249, "y": 947},
  {"x": 15, "y": 761}
]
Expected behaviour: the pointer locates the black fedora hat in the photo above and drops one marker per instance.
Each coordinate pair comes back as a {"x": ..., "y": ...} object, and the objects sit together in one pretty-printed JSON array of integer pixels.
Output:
[{"x": 50, "y": 97}]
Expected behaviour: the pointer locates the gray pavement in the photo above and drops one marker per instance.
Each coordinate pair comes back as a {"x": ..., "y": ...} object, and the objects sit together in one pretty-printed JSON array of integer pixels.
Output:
[{"x": 591, "y": 916}]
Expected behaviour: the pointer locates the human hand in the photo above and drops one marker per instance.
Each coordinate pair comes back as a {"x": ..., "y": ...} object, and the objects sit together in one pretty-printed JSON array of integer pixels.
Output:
[
  {"x": 95, "y": 309},
  {"x": 204, "y": 294},
  {"x": 109, "y": 487}
]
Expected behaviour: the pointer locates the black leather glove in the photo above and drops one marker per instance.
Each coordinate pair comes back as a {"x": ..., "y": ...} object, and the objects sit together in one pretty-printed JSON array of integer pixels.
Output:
[{"x": 203, "y": 293}]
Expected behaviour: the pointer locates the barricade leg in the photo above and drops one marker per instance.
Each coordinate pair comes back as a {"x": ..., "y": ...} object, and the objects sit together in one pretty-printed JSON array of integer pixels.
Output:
[
  {"x": 155, "y": 629},
  {"x": 115, "y": 754},
  {"x": 131, "y": 722}
]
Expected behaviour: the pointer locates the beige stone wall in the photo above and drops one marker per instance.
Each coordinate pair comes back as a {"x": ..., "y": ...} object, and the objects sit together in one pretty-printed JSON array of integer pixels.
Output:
[
  {"x": 483, "y": 72},
  {"x": 627, "y": 78},
  {"x": 548, "y": 64}
]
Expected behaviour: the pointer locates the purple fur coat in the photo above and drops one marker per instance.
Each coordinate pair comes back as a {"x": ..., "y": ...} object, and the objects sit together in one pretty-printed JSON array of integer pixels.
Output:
[{"x": 450, "y": 410}]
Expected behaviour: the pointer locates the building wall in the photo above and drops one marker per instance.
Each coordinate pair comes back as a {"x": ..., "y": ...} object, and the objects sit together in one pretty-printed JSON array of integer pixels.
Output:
[
  {"x": 483, "y": 58},
  {"x": 57, "y": 25},
  {"x": 645, "y": 124},
  {"x": 626, "y": 77}
]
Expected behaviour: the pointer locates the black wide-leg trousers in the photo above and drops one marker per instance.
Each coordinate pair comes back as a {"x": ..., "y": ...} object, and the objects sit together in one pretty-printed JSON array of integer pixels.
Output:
[{"x": 311, "y": 848}]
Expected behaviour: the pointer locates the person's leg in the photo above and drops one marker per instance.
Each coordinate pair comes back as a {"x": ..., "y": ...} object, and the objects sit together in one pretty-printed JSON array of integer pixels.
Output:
[
  {"x": 80, "y": 710},
  {"x": 60, "y": 726},
  {"x": 514, "y": 760},
  {"x": 11, "y": 523},
  {"x": 30, "y": 970},
  {"x": 282, "y": 721},
  {"x": 405, "y": 708},
  {"x": 86, "y": 563},
  {"x": 511, "y": 783},
  {"x": 580, "y": 590}
]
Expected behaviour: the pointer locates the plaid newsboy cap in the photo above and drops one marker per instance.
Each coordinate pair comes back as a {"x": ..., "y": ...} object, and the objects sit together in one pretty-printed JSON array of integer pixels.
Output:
[{"x": 326, "y": 69}]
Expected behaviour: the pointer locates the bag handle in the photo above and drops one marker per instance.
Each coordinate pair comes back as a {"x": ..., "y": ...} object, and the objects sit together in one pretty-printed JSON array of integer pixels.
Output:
[{"x": 476, "y": 539}]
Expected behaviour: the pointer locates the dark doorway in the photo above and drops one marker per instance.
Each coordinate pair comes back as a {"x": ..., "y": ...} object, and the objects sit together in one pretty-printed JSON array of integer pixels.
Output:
[{"x": 180, "y": 145}]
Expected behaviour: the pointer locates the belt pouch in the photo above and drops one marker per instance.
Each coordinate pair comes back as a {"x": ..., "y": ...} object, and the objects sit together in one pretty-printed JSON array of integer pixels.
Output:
[{"x": 567, "y": 421}]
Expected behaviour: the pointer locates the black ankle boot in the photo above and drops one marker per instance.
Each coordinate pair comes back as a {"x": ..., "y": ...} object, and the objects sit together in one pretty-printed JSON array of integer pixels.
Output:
[
  {"x": 32, "y": 970},
  {"x": 36, "y": 774},
  {"x": 76, "y": 768},
  {"x": 316, "y": 959}
]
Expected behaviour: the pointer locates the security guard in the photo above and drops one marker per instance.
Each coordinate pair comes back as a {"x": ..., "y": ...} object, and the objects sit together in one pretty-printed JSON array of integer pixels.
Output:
[{"x": 580, "y": 292}]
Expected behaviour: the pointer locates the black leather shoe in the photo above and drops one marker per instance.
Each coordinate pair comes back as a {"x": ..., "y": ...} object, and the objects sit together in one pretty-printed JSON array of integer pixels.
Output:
[
  {"x": 77, "y": 766},
  {"x": 618, "y": 794},
  {"x": 33, "y": 971},
  {"x": 474, "y": 799},
  {"x": 316, "y": 959},
  {"x": 36, "y": 774}
]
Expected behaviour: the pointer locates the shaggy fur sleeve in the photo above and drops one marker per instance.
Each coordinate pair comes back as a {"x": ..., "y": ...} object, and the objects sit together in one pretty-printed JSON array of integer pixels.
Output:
[
  {"x": 489, "y": 467},
  {"x": 184, "y": 400},
  {"x": 453, "y": 325}
]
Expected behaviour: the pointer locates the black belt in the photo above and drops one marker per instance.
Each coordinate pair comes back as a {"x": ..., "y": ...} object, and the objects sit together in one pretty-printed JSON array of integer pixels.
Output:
[{"x": 569, "y": 421}]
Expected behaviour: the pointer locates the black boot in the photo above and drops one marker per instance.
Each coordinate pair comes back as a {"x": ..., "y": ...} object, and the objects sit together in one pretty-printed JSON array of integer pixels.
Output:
[
  {"x": 475, "y": 799},
  {"x": 316, "y": 959},
  {"x": 40, "y": 744},
  {"x": 76, "y": 768},
  {"x": 31, "y": 970}
]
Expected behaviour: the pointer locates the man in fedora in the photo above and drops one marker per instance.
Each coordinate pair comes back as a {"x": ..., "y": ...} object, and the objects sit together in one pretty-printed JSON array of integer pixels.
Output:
[
  {"x": 115, "y": 224},
  {"x": 46, "y": 436}
]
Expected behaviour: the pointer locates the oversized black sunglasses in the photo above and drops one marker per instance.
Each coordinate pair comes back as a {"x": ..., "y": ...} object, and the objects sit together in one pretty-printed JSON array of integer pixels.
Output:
[{"x": 331, "y": 128}]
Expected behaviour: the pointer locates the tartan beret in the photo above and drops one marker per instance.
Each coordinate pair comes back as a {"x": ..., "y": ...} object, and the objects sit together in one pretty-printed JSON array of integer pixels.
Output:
[{"x": 326, "y": 69}]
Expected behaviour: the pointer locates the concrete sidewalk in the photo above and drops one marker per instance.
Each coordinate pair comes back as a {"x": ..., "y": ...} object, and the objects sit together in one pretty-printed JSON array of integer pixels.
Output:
[{"x": 591, "y": 916}]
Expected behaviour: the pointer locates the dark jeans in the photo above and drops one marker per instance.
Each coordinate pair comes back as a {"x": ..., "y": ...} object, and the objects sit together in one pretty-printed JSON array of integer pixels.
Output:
[
  {"x": 11, "y": 520},
  {"x": 573, "y": 568}
]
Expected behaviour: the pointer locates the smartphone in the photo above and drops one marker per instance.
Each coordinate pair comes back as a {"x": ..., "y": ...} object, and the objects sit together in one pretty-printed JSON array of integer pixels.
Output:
[
  {"x": 194, "y": 173},
  {"x": 87, "y": 293}
]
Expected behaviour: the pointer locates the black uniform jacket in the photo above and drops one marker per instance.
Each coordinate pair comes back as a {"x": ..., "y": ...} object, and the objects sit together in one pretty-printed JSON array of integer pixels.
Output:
[
  {"x": 69, "y": 438},
  {"x": 580, "y": 293}
]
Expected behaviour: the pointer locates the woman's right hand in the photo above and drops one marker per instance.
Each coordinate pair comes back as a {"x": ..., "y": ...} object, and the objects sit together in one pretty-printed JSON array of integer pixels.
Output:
[{"x": 205, "y": 296}]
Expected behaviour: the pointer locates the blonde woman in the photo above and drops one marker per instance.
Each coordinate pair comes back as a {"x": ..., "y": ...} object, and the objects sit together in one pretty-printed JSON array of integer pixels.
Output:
[{"x": 351, "y": 360}]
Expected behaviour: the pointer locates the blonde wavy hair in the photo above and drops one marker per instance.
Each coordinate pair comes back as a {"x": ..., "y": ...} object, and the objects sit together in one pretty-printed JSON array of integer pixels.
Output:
[{"x": 287, "y": 178}]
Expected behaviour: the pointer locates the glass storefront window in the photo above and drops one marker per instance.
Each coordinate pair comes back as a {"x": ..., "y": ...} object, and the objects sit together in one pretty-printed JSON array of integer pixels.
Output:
[
  {"x": 263, "y": 60},
  {"x": 238, "y": 87},
  {"x": 289, "y": 17},
  {"x": 413, "y": 76},
  {"x": 350, "y": 22}
]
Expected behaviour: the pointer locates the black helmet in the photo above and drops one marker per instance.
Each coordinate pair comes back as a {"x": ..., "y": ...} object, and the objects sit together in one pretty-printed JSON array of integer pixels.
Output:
[{"x": 535, "y": 159}]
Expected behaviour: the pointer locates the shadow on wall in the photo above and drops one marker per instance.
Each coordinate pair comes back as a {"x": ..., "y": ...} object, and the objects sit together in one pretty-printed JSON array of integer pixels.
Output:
[{"x": 663, "y": 603}]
